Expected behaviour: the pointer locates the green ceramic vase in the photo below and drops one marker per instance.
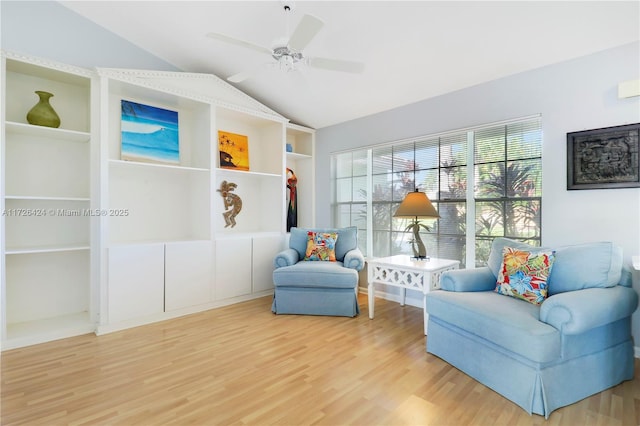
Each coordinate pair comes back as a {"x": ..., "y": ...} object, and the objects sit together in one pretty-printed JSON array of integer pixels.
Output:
[{"x": 43, "y": 114}]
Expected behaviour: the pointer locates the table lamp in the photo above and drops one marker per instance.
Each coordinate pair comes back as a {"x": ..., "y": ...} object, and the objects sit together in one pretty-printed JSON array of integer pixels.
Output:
[{"x": 417, "y": 205}]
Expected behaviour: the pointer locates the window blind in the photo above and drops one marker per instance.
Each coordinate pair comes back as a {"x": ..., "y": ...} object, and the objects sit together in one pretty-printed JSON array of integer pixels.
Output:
[{"x": 506, "y": 196}]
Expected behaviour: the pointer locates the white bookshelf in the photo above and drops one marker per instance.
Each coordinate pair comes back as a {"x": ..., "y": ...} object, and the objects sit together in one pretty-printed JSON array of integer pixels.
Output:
[
  {"x": 156, "y": 201},
  {"x": 94, "y": 242},
  {"x": 261, "y": 188},
  {"x": 46, "y": 194},
  {"x": 46, "y": 249}
]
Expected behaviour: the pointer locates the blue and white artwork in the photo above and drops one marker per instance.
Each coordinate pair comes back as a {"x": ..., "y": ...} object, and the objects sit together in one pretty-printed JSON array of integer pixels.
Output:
[{"x": 149, "y": 134}]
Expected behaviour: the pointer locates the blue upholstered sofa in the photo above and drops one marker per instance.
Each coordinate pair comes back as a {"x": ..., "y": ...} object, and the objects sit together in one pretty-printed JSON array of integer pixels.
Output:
[
  {"x": 575, "y": 344},
  {"x": 318, "y": 287}
]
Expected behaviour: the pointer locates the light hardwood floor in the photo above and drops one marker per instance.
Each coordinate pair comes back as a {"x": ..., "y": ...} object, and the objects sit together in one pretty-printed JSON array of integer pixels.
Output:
[{"x": 243, "y": 365}]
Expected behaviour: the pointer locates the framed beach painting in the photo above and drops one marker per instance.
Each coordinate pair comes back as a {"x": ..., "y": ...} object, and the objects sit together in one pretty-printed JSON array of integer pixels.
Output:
[
  {"x": 233, "y": 150},
  {"x": 149, "y": 134}
]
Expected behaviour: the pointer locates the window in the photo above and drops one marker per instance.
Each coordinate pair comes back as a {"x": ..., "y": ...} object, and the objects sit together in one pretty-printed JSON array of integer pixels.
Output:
[
  {"x": 508, "y": 191},
  {"x": 484, "y": 182},
  {"x": 350, "y": 197}
]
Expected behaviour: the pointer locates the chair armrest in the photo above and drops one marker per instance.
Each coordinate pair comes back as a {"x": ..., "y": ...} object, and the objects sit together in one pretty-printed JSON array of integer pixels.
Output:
[
  {"x": 577, "y": 311},
  {"x": 475, "y": 279},
  {"x": 354, "y": 259},
  {"x": 286, "y": 257}
]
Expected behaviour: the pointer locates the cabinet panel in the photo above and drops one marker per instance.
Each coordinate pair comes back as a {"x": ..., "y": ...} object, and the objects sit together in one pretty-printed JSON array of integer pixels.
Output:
[
  {"x": 188, "y": 274},
  {"x": 265, "y": 249},
  {"x": 233, "y": 267},
  {"x": 136, "y": 281}
]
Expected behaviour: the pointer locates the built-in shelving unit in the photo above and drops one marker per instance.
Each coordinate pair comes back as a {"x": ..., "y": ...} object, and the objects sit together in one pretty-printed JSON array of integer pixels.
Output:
[
  {"x": 46, "y": 203},
  {"x": 95, "y": 242},
  {"x": 301, "y": 161},
  {"x": 260, "y": 188},
  {"x": 239, "y": 263},
  {"x": 155, "y": 201}
]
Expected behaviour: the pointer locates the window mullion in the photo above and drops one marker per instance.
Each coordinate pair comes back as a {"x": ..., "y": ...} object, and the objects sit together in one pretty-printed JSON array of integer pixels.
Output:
[
  {"x": 470, "y": 236},
  {"x": 369, "y": 252},
  {"x": 506, "y": 165}
]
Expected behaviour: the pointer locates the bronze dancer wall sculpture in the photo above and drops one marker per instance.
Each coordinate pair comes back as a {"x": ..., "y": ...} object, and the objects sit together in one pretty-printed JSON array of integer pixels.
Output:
[{"x": 232, "y": 203}]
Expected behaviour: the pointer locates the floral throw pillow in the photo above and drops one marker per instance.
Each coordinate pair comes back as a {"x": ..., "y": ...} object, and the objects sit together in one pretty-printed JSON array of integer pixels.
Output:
[
  {"x": 321, "y": 246},
  {"x": 524, "y": 274}
]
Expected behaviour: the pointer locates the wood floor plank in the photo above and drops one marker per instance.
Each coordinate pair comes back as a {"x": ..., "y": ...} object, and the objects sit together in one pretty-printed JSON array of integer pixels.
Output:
[{"x": 242, "y": 365}]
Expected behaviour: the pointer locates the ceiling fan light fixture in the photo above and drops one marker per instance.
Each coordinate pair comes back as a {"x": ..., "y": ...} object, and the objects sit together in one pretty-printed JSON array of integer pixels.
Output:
[
  {"x": 287, "y": 51},
  {"x": 287, "y": 63},
  {"x": 288, "y": 60}
]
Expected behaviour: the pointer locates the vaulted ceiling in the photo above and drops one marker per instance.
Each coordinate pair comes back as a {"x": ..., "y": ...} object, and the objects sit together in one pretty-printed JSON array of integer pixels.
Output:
[{"x": 411, "y": 50}]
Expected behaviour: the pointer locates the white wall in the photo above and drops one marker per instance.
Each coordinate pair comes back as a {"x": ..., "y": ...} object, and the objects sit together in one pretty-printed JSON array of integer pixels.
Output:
[
  {"x": 49, "y": 30},
  {"x": 575, "y": 95}
]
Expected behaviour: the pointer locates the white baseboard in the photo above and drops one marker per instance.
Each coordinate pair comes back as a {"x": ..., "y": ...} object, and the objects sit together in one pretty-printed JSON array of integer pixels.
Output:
[
  {"x": 411, "y": 299},
  {"x": 136, "y": 322}
]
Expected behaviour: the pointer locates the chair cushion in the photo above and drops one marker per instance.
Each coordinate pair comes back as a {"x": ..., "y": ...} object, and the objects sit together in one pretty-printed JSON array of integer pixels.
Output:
[
  {"x": 347, "y": 240},
  {"x": 575, "y": 267},
  {"x": 508, "y": 322},
  {"x": 585, "y": 266},
  {"x": 316, "y": 274}
]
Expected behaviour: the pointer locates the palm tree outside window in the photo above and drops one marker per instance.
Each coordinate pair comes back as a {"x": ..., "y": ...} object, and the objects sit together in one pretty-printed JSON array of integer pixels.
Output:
[{"x": 485, "y": 182}]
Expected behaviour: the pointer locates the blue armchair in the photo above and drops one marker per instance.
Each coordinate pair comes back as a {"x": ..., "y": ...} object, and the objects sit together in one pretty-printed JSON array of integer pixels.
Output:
[
  {"x": 318, "y": 287},
  {"x": 574, "y": 344}
]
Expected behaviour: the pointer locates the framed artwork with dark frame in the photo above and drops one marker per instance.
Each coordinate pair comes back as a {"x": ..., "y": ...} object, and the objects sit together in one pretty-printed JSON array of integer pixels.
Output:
[{"x": 604, "y": 158}]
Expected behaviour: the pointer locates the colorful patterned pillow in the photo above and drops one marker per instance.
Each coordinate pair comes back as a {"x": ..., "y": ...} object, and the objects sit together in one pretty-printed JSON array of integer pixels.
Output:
[
  {"x": 524, "y": 274},
  {"x": 321, "y": 246}
]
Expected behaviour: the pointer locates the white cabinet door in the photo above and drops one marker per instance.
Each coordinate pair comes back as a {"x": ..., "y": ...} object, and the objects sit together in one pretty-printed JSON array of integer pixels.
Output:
[
  {"x": 265, "y": 249},
  {"x": 233, "y": 267},
  {"x": 136, "y": 281},
  {"x": 187, "y": 274}
]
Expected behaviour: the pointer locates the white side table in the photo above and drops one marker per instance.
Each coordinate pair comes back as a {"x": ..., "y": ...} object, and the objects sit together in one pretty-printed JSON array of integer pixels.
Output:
[{"x": 407, "y": 273}]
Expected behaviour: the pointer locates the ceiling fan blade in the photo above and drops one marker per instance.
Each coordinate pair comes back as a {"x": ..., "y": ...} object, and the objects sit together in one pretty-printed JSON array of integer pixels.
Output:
[
  {"x": 238, "y": 42},
  {"x": 245, "y": 75},
  {"x": 240, "y": 77},
  {"x": 336, "y": 65},
  {"x": 305, "y": 32}
]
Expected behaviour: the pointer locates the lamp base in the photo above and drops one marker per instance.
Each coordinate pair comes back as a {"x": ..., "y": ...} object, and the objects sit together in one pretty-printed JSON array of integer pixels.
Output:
[{"x": 426, "y": 258}]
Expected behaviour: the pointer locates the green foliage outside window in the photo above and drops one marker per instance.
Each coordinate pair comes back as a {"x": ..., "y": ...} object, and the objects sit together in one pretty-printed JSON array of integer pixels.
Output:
[{"x": 506, "y": 193}]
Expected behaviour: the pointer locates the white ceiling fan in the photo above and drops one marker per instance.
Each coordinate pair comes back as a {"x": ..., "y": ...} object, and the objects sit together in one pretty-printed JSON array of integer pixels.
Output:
[{"x": 288, "y": 51}]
